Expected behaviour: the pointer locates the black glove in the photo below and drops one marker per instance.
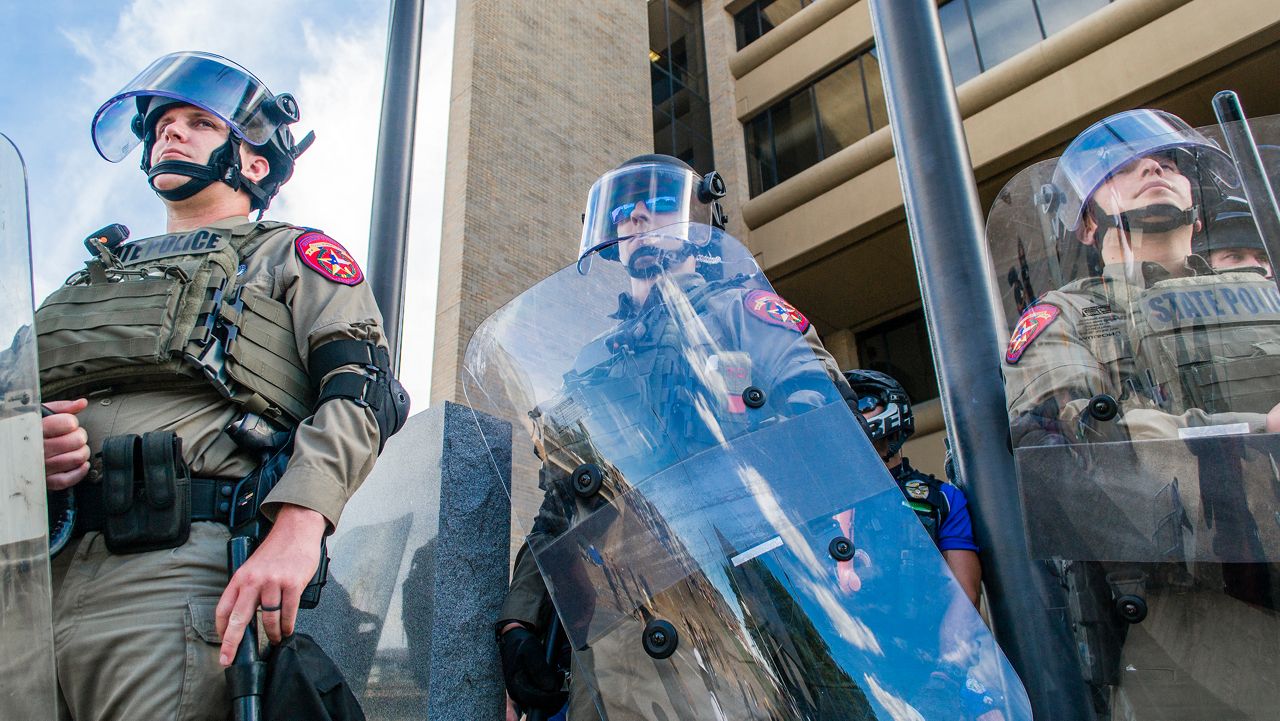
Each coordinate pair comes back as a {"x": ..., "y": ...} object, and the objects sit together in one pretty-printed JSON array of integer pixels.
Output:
[{"x": 531, "y": 681}]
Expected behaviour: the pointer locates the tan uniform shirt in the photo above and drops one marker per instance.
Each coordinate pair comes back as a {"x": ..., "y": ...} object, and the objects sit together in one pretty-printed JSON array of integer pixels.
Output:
[
  {"x": 334, "y": 450},
  {"x": 1089, "y": 349}
]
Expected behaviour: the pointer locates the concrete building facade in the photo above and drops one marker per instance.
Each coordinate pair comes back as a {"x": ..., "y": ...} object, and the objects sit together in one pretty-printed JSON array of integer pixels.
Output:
[{"x": 549, "y": 95}]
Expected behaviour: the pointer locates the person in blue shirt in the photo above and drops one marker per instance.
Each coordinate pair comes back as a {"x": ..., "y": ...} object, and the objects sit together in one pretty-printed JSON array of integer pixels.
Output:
[{"x": 941, "y": 507}]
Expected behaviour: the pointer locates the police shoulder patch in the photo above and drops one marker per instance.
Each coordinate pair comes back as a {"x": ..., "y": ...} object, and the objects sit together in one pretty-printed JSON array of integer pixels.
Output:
[
  {"x": 327, "y": 257},
  {"x": 772, "y": 309},
  {"x": 1033, "y": 322}
]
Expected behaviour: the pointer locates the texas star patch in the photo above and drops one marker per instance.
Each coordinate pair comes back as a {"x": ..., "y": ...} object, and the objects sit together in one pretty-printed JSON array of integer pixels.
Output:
[
  {"x": 1033, "y": 322},
  {"x": 327, "y": 257},
  {"x": 771, "y": 308}
]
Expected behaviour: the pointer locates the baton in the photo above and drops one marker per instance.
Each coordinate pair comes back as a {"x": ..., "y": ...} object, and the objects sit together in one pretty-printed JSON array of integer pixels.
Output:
[
  {"x": 553, "y": 630},
  {"x": 247, "y": 674},
  {"x": 1253, "y": 175}
]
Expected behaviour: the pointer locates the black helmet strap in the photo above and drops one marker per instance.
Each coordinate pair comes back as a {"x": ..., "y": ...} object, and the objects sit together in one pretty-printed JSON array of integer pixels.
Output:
[
  {"x": 223, "y": 165},
  {"x": 1151, "y": 219}
]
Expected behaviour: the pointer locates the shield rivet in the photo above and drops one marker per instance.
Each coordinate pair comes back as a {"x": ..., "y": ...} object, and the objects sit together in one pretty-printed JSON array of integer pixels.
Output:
[
  {"x": 753, "y": 397},
  {"x": 660, "y": 639},
  {"x": 840, "y": 548},
  {"x": 587, "y": 479}
]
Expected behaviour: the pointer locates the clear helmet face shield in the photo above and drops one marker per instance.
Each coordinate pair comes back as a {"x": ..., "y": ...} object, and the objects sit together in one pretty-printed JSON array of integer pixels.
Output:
[
  {"x": 1111, "y": 145},
  {"x": 652, "y": 198},
  {"x": 207, "y": 81}
]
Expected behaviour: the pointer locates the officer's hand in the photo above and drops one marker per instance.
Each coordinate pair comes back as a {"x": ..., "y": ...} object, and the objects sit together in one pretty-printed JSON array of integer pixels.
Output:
[
  {"x": 1273, "y": 419},
  {"x": 530, "y": 679},
  {"x": 66, "y": 445},
  {"x": 850, "y": 581},
  {"x": 275, "y": 575}
]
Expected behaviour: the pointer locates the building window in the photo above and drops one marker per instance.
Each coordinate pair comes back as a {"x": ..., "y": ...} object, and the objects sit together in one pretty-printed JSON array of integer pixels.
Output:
[
  {"x": 847, "y": 104},
  {"x": 815, "y": 123},
  {"x": 981, "y": 34},
  {"x": 678, "y": 71},
  {"x": 762, "y": 16},
  {"x": 900, "y": 347}
]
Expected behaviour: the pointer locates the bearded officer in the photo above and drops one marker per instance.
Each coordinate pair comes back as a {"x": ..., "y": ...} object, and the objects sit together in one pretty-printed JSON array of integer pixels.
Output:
[
  {"x": 640, "y": 215},
  {"x": 174, "y": 364}
]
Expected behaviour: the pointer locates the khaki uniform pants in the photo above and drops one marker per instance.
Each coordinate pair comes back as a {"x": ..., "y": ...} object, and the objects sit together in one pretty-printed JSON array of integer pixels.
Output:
[{"x": 135, "y": 634}]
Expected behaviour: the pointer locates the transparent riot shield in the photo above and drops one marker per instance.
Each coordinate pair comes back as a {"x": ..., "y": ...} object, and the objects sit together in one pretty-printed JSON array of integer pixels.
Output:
[
  {"x": 1142, "y": 363},
  {"x": 718, "y": 535},
  {"x": 27, "y": 683}
]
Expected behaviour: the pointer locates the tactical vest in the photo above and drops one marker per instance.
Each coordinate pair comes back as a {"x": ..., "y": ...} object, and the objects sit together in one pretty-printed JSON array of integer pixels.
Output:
[
  {"x": 1212, "y": 342},
  {"x": 924, "y": 496},
  {"x": 168, "y": 311},
  {"x": 1208, "y": 341}
]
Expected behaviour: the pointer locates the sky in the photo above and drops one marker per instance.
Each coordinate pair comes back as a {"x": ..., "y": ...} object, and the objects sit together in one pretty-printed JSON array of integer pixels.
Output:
[{"x": 67, "y": 57}]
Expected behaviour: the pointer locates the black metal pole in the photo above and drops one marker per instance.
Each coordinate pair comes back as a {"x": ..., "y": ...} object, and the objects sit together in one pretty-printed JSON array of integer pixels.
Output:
[
  {"x": 393, "y": 172},
  {"x": 1253, "y": 174},
  {"x": 948, "y": 239},
  {"x": 247, "y": 674}
]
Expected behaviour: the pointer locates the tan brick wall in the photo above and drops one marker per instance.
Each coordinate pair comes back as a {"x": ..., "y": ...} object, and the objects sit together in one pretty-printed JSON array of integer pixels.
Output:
[{"x": 546, "y": 96}]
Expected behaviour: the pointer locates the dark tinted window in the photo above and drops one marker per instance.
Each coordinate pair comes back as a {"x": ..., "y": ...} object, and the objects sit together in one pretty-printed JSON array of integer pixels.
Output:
[
  {"x": 900, "y": 347},
  {"x": 681, "y": 113},
  {"x": 957, "y": 33},
  {"x": 1004, "y": 28},
  {"x": 842, "y": 108},
  {"x": 762, "y": 16},
  {"x": 795, "y": 139},
  {"x": 1056, "y": 15}
]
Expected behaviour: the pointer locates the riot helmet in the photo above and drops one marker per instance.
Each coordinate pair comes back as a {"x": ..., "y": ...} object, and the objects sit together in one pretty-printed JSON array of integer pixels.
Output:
[
  {"x": 656, "y": 196},
  {"x": 216, "y": 85},
  {"x": 1231, "y": 227},
  {"x": 1109, "y": 146},
  {"x": 895, "y": 422}
]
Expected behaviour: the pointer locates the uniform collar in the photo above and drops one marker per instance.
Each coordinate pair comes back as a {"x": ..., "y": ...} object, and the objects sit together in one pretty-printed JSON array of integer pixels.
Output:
[
  {"x": 1153, "y": 273},
  {"x": 902, "y": 470},
  {"x": 628, "y": 308}
]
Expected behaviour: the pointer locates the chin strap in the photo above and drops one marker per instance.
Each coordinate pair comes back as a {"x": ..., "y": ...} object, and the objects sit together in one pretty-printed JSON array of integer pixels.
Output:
[
  {"x": 1151, "y": 219},
  {"x": 223, "y": 165}
]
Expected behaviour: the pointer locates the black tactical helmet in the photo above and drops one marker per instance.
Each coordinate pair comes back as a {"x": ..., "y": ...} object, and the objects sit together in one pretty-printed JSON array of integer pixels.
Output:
[
  {"x": 669, "y": 188},
  {"x": 253, "y": 114},
  {"x": 1231, "y": 226},
  {"x": 894, "y": 422}
]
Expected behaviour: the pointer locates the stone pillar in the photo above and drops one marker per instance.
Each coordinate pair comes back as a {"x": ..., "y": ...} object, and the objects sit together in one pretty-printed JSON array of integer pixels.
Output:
[{"x": 419, "y": 571}]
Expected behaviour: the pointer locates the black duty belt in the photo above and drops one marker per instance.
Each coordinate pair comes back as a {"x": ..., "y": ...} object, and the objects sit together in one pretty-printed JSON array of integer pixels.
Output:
[{"x": 210, "y": 501}]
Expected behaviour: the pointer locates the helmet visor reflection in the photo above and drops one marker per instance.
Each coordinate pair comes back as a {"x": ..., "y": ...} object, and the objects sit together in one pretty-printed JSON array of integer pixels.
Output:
[{"x": 205, "y": 80}]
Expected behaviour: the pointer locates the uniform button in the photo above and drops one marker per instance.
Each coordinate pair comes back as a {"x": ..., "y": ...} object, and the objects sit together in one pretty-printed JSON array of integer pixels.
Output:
[
  {"x": 224, "y": 507},
  {"x": 105, "y": 401}
]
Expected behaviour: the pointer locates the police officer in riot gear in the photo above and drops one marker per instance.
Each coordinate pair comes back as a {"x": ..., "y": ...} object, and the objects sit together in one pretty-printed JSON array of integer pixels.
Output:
[
  {"x": 641, "y": 215},
  {"x": 175, "y": 364},
  {"x": 941, "y": 507},
  {"x": 1230, "y": 240},
  {"x": 1135, "y": 392}
]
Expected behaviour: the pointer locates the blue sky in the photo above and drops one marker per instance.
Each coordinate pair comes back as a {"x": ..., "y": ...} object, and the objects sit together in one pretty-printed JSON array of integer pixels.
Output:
[{"x": 66, "y": 58}]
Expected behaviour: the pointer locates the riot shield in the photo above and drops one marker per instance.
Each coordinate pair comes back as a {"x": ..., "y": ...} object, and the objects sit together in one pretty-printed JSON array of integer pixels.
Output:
[
  {"x": 27, "y": 682},
  {"x": 1143, "y": 360},
  {"x": 718, "y": 535}
]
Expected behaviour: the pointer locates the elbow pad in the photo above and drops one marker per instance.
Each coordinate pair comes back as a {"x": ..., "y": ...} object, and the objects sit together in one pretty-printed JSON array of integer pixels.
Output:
[{"x": 373, "y": 386}]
